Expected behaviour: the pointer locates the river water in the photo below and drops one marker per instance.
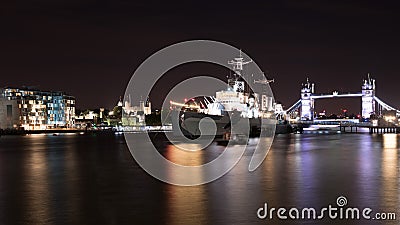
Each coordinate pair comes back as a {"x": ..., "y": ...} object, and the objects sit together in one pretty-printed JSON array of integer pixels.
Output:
[{"x": 93, "y": 179}]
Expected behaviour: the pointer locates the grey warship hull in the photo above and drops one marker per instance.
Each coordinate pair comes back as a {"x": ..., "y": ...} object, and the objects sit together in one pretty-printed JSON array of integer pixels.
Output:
[{"x": 194, "y": 124}]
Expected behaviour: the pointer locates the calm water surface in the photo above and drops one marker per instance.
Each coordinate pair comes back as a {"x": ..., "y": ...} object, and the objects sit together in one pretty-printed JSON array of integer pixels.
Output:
[{"x": 72, "y": 179}]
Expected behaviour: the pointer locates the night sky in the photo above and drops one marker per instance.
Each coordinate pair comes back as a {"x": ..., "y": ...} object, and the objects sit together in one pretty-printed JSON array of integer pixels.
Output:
[{"x": 90, "y": 49}]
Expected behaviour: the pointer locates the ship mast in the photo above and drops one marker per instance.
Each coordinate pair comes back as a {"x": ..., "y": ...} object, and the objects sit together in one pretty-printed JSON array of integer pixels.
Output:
[
  {"x": 237, "y": 67},
  {"x": 264, "y": 81},
  {"x": 237, "y": 64}
]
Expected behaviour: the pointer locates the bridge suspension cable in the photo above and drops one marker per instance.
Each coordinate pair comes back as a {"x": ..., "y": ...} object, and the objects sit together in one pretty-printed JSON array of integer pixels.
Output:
[
  {"x": 295, "y": 106},
  {"x": 386, "y": 106}
]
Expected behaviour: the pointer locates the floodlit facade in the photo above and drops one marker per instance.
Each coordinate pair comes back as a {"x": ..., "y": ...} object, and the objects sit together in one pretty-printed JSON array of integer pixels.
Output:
[
  {"x": 307, "y": 103},
  {"x": 368, "y": 100},
  {"x": 134, "y": 115},
  {"x": 9, "y": 114},
  {"x": 33, "y": 109}
]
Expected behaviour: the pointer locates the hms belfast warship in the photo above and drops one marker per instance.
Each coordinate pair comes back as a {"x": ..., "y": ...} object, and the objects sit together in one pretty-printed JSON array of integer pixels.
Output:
[{"x": 238, "y": 102}]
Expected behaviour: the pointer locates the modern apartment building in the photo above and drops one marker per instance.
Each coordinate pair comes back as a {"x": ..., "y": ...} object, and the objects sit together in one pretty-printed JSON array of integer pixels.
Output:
[{"x": 33, "y": 109}]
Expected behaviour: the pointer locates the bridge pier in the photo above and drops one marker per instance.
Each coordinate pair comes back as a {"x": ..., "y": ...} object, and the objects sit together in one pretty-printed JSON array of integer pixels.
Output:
[
  {"x": 384, "y": 130},
  {"x": 353, "y": 129}
]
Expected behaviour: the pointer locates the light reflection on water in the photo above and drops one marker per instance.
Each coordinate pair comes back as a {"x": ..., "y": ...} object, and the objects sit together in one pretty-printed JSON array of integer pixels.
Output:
[
  {"x": 94, "y": 180},
  {"x": 182, "y": 157},
  {"x": 186, "y": 205},
  {"x": 37, "y": 187},
  {"x": 390, "y": 172}
]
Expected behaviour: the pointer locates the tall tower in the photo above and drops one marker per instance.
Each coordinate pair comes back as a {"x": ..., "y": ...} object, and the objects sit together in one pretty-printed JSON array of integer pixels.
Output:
[
  {"x": 147, "y": 106},
  {"x": 368, "y": 101},
  {"x": 307, "y": 103}
]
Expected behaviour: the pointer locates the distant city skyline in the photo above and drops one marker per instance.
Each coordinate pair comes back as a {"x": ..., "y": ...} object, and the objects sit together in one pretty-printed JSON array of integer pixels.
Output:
[{"x": 90, "y": 49}]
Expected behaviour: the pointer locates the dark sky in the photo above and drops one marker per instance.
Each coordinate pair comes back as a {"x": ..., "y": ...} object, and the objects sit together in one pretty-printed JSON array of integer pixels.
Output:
[{"x": 90, "y": 48}]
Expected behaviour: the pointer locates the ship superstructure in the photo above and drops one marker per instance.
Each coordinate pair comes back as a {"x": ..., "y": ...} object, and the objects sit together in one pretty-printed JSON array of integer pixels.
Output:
[{"x": 238, "y": 98}]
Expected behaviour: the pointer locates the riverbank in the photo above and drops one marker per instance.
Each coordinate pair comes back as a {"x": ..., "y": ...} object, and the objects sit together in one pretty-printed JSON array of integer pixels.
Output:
[{"x": 53, "y": 131}]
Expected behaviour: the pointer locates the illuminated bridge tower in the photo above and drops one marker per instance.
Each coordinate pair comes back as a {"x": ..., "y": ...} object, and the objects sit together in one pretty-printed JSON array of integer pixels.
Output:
[
  {"x": 307, "y": 103},
  {"x": 368, "y": 98}
]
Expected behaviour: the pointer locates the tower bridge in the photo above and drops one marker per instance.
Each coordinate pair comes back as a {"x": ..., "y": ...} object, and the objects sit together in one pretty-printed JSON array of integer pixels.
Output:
[{"x": 370, "y": 103}]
